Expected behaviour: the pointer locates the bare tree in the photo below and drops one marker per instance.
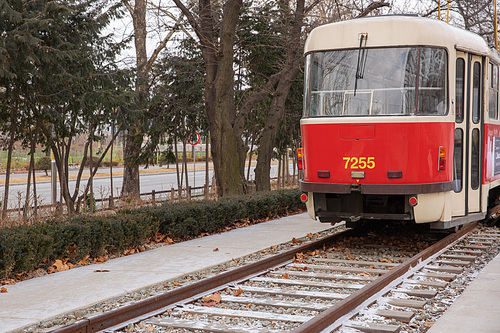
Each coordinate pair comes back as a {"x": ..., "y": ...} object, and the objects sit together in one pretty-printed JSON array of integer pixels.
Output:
[
  {"x": 143, "y": 64},
  {"x": 228, "y": 150}
]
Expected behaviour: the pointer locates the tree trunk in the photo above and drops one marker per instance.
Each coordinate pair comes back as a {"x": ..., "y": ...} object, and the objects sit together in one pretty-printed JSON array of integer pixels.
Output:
[
  {"x": 228, "y": 154},
  {"x": 30, "y": 170},
  {"x": 179, "y": 185},
  {"x": 207, "y": 181},
  {"x": 134, "y": 137},
  {"x": 268, "y": 134},
  {"x": 250, "y": 157},
  {"x": 131, "y": 184},
  {"x": 13, "y": 126}
]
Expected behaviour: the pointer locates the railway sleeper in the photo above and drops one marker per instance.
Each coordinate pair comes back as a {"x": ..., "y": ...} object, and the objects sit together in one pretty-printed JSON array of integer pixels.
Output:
[
  {"x": 202, "y": 325},
  {"x": 342, "y": 269},
  {"x": 275, "y": 303},
  {"x": 294, "y": 293},
  {"x": 441, "y": 276},
  {"x": 403, "y": 303},
  {"x": 220, "y": 312},
  {"x": 322, "y": 276},
  {"x": 356, "y": 262},
  {"x": 470, "y": 259},
  {"x": 374, "y": 328},
  {"x": 446, "y": 269},
  {"x": 402, "y": 316},
  {"x": 308, "y": 283}
]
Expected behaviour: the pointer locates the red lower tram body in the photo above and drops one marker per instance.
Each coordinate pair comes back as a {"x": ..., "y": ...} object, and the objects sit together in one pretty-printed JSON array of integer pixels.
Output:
[
  {"x": 392, "y": 171},
  {"x": 370, "y": 171}
]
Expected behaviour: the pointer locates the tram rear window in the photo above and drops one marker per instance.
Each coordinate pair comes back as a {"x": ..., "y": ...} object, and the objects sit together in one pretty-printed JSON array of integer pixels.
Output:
[{"x": 370, "y": 82}]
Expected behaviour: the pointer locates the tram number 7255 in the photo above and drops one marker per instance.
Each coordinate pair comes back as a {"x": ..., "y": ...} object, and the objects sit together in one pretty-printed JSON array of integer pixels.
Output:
[{"x": 359, "y": 162}]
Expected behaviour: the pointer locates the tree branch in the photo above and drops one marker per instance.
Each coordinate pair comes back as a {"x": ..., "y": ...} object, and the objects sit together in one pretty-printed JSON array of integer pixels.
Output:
[{"x": 372, "y": 7}]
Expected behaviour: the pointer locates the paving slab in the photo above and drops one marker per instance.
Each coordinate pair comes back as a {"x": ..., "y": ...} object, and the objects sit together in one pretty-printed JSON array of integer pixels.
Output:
[
  {"x": 29, "y": 302},
  {"x": 478, "y": 308}
]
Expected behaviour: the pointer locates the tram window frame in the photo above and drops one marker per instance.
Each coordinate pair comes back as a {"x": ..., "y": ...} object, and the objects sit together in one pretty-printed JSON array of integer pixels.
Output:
[
  {"x": 476, "y": 92},
  {"x": 493, "y": 92},
  {"x": 459, "y": 90},
  {"x": 458, "y": 160}
]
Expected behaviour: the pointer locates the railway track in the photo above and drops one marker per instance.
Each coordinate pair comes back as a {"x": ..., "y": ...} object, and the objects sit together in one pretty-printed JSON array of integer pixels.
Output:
[{"x": 310, "y": 288}]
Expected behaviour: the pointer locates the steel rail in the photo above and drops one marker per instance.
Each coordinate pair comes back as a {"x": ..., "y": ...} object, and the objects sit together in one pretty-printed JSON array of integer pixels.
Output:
[
  {"x": 149, "y": 305},
  {"x": 343, "y": 307}
]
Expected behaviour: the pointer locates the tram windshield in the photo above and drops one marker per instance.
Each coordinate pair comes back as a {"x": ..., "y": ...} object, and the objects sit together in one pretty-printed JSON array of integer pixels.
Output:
[{"x": 381, "y": 81}]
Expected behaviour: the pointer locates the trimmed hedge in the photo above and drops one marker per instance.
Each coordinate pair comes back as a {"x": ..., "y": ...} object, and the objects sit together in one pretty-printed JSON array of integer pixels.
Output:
[{"x": 28, "y": 247}]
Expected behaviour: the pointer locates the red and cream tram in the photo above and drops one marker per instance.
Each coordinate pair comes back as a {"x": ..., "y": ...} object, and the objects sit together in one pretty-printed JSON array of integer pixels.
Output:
[{"x": 400, "y": 122}]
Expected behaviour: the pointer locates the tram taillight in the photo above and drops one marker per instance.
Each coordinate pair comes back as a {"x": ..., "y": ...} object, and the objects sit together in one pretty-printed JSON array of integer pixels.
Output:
[
  {"x": 442, "y": 158},
  {"x": 300, "y": 159}
]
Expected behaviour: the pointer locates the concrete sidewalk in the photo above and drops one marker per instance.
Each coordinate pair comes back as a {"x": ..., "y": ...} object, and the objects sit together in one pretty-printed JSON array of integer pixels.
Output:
[{"x": 29, "y": 302}]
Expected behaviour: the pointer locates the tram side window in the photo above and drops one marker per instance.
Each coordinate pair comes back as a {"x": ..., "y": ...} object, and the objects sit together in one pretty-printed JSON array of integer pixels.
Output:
[
  {"x": 460, "y": 90},
  {"x": 432, "y": 81},
  {"x": 493, "y": 93},
  {"x": 458, "y": 160},
  {"x": 475, "y": 159},
  {"x": 476, "y": 93}
]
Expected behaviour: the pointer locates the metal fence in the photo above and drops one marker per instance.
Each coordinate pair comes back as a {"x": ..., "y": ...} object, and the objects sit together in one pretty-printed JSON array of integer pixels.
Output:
[{"x": 30, "y": 214}]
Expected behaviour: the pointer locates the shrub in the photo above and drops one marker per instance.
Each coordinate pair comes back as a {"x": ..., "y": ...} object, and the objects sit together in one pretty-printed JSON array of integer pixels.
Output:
[
  {"x": 25, "y": 248},
  {"x": 43, "y": 163}
]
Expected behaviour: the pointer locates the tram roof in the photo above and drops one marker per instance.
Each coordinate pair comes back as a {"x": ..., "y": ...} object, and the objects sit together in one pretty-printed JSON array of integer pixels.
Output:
[{"x": 395, "y": 30}]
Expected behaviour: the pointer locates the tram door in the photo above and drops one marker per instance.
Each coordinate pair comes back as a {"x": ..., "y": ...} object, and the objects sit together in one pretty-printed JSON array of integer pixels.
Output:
[{"x": 468, "y": 118}]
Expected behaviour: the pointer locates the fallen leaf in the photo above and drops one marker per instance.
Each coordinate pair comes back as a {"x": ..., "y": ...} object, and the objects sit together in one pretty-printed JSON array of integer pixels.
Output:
[
  {"x": 237, "y": 292},
  {"x": 72, "y": 249},
  {"x": 8, "y": 282},
  {"x": 296, "y": 241},
  {"x": 60, "y": 266},
  {"x": 309, "y": 234},
  {"x": 176, "y": 284},
  {"x": 286, "y": 276},
  {"x": 386, "y": 260},
  {"x": 429, "y": 323},
  {"x": 215, "y": 297},
  {"x": 3, "y": 290},
  {"x": 169, "y": 240},
  {"x": 216, "y": 249},
  {"x": 84, "y": 260},
  {"x": 212, "y": 303},
  {"x": 262, "y": 251},
  {"x": 101, "y": 259},
  {"x": 273, "y": 247},
  {"x": 101, "y": 271},
  {"x": 150, "y": 328}
]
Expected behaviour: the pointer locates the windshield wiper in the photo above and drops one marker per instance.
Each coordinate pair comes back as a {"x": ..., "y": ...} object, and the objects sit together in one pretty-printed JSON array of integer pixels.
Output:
[{"x": 360, "y": 68}]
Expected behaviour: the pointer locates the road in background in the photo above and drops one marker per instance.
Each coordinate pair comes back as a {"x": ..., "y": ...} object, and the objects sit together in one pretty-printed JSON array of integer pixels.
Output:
[{"x": 161, "y": 181}]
